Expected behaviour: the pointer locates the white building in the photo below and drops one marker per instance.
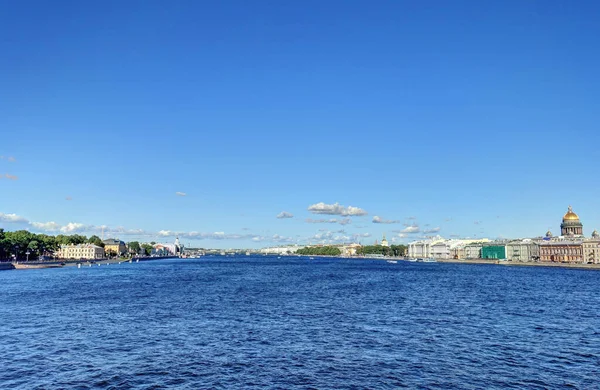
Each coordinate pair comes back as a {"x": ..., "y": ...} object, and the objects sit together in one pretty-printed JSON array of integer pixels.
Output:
[
  {"x": 81, "y": 251},
  {"x": 424, "y": 248},
  {"x": 281, "y": 250},
  {"x": 522, "y": 250},
  {"x": 440, "y": 248}
]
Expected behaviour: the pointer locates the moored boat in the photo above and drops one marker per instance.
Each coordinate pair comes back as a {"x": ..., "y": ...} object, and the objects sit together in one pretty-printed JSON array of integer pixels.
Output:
[{"x": 36, "y": 266}]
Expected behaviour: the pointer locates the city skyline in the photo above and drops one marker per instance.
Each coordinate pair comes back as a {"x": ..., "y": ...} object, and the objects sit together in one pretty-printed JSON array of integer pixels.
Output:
[{"x": 252, "y": 124}]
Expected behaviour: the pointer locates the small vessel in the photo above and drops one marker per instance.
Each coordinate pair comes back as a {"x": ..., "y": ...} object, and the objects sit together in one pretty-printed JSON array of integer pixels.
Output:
[
  {"x": 392, "y": 261},
  {"x": 36, "y": 266},
  {"x": 429, "y": 260}
]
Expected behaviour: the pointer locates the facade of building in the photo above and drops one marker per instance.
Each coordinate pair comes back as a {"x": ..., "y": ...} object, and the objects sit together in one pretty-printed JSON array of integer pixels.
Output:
[
  {"x": 561, "y": 251},
  {"x": 523, "y": 250},
  {"x": 423, "y": 249},
  {"x": 591, "y": 249},
  {"x": 571, "y": 225},
  {"x": 114, "y": 246},
  {"x": 441, "y": 248},
  {"x": 81, "y": 251},
  {"x": 473, "y": 250},
  {"x": 495, "y": 251}
]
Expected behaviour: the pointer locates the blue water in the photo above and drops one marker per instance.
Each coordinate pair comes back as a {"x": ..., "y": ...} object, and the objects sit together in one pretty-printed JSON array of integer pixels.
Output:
[{"x": 247, "y": 322}]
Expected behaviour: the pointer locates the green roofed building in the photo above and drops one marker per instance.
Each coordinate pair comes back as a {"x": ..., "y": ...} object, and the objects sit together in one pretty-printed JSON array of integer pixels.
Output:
[{"x": 494, "y": 252}]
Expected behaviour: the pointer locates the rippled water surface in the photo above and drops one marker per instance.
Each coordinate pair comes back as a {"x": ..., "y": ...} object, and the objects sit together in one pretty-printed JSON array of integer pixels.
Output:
[{"x": 248, "y": 322}]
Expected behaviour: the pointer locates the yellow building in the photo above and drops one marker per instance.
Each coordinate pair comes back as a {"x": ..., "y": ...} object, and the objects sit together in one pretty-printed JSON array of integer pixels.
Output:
[
  {"x": 114, "y": 246},
  {"x": 81, "y": 251}
]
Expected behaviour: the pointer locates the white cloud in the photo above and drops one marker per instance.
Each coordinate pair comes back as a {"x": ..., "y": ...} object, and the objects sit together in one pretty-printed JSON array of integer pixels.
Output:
[
  {"x": 180, "y": 193},
  {"x": 402, "y": 235},
  {"x": 432, "y": 230},
  {"x": 46, "y": 226},
  {"x": 336, "y": 209},
  {"x": 378, "y": 219},
  {"x": 12, "y": 218},
  {"x": 285, "y": 214},
  {"x": 73, "y": 227},
  {"x": 411, "y": 229},
  {"x": 343, "y": 221}
]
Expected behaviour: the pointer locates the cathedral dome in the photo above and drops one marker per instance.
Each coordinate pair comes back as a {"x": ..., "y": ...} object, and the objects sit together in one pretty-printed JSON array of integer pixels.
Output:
[
  {"x": 570, "y": 215},
  {"x": 595, "y": 234},
  {"x": 548, "y": 234}
]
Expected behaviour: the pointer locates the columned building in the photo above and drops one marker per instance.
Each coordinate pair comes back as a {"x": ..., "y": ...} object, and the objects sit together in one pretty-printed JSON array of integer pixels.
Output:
[
  {"x": 591, "y": 249},
  {"x": 571, "y": 225}
]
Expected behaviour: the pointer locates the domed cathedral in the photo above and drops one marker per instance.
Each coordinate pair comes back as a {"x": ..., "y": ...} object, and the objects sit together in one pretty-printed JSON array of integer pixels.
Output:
[{"x": 571, "y": 225}]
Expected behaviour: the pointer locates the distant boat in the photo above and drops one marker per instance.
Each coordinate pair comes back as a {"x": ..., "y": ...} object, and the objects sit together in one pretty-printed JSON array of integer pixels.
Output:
[
  {"x": 392, "y": 261},
  {"x": 36, "y": 266},
  {"x": 412, "y": 260},
  {"x": 429, "y": 260}
]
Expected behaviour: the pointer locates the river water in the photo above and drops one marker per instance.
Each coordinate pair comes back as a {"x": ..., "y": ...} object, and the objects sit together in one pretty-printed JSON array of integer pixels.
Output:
[{"x": 263, "y": 322}]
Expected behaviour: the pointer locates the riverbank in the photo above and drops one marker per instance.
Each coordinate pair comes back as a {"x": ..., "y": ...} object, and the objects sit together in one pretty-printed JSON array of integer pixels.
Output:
[
  {"x": 520, "y": 264},
  {"x": 59, "y": 263},
  {"x": 496, "y": 262}
]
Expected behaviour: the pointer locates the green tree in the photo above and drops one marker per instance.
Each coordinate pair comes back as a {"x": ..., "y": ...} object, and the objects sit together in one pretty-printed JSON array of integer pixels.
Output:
[
  {"x": 134, "y": 246},
  {"x": 147, "y": 249},
  {"x": 96, "y": 241},
  {"x": 320, "y": 251}
]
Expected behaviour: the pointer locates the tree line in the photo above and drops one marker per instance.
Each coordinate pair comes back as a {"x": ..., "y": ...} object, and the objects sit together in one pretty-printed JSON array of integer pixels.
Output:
[
  {"x": 392, "y": 250},
  {"x": 21, "y": 242},
  {"x": 320, "y": 251}
]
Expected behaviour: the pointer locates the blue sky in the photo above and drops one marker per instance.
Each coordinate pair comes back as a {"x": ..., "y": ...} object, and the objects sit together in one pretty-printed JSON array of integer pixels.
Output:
[{"x": 462, "y": 118}]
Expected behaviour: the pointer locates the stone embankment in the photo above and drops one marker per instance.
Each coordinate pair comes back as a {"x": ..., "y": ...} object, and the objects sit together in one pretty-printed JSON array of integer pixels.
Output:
[{"x": 6, "y": 266}]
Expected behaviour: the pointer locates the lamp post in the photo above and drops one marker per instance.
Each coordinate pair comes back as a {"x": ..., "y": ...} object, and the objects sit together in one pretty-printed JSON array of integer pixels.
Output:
[
  {"x": 27, "y": 253},
  {"x": 16, "y": 253}
]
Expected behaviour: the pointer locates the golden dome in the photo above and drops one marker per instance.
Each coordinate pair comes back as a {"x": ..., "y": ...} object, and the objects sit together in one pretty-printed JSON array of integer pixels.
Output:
[{"x": 570, "y": 215}]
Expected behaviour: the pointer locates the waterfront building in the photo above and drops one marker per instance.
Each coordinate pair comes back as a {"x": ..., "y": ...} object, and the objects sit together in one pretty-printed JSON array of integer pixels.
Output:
[
  {"x": 591, "y": 249},
  {"x": 114, "y": 246},
  {"x": 458, "y": 251},
  {"x": 283, "y": 249},
  {"x": 493, "y": 251},
  {"x": 523, "y": 250},
  {"x": 424, "y": 248},
  {"x": 473, "y": 250},
  {"x": 81, "y": 251},
  {"x": 571, "y": 225},
  {"x": 164, "y": 250},
  {"x": 561, "y": 251},
  {"x": 350, "y": 249},
  {"x": 440, "y": 248}
]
